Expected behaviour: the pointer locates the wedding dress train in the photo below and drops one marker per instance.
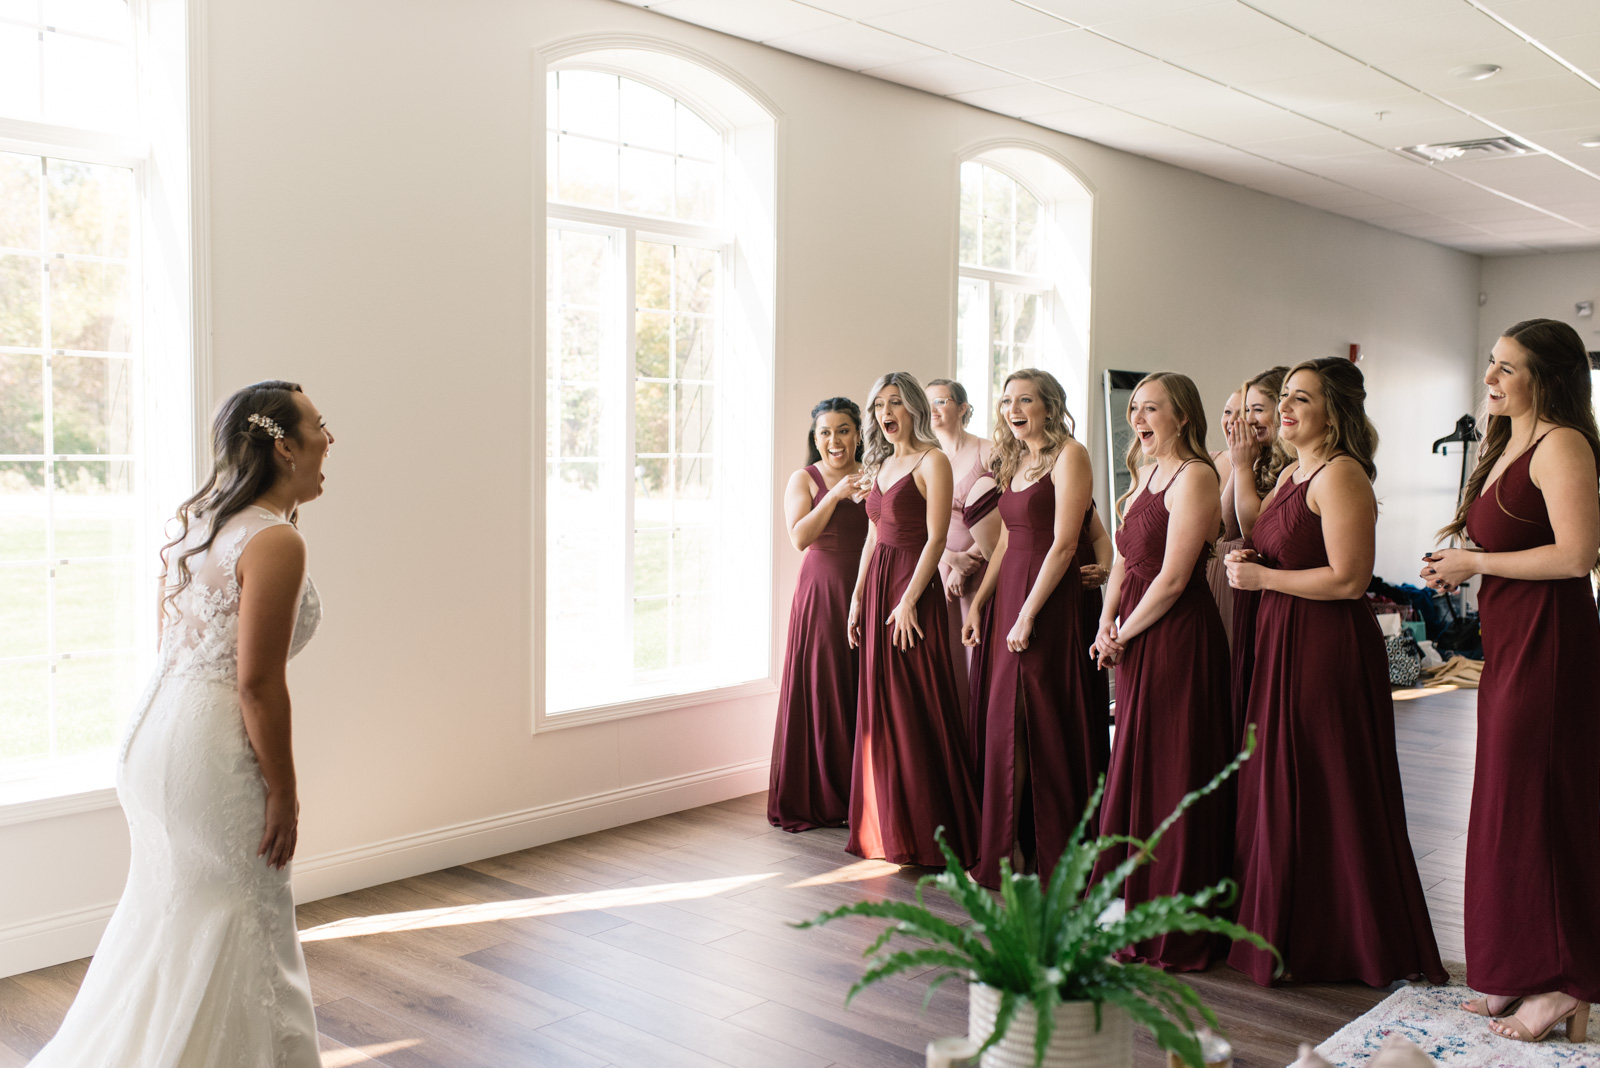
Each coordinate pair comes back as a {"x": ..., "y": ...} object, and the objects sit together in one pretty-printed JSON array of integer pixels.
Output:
[{"x": 201, "y": 965}]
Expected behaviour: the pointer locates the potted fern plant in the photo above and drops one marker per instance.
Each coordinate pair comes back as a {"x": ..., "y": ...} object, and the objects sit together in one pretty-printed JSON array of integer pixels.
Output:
[{"x": 1041, "y": 962}]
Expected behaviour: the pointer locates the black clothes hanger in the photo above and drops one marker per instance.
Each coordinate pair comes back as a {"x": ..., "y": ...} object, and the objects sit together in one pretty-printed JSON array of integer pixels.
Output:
[{"x": 1465, "y": 433}]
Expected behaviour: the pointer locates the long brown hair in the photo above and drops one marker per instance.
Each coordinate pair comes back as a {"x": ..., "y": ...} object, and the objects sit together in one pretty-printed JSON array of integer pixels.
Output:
[
  {"x": 1008, "y": 454},
  {"x": 242, "y": 469},
  {"x": 1561, "y": 389},
  {"x": 1187, "y": 405},
  {"x": 1344, "y": 396},
  {"x": 1270, "y": 459}
]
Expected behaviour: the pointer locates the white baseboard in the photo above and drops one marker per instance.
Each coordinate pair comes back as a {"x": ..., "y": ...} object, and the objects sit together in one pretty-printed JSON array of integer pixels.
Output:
[{"x": 72, "y": 935}]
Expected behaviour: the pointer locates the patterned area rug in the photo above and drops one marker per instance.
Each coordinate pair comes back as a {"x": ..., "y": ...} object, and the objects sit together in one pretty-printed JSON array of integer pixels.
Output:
[{"x": 1432, "y": 1017}]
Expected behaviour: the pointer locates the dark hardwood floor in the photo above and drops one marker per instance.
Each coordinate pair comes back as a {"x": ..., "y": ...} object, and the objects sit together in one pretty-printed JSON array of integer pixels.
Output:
[{"x": 668, "y": 943}]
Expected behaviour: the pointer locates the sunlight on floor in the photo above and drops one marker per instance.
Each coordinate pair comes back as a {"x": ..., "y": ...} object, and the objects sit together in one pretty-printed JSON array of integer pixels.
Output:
[
  {"x": 850, "y": 873},
  {"x": 358, "y": 1055},
  {"x": 523, "y": 908},
  {"x": 1422, "y": 691}
]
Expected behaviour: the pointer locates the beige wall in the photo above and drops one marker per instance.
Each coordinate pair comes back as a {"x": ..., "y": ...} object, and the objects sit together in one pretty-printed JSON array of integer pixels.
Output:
[
  {"x": 1538, "y": 287},
  {"x": 373, "y": 175}
]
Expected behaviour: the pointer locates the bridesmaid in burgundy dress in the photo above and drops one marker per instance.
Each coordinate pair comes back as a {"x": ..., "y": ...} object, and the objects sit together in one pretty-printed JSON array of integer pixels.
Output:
[
  {"x": 967, "y": 548},
  {"x": 1254, "y": 447},
  {"x": 1325, "y": 870},
  {"x": 1038, "y": 754},
  {"x": 911, "y": 772},
  {"x": 1161, "y": 627},
  {"x": 1095, "y": 553},
  {"x": 1533, "y": 844},
  {"x": 814, "y": 741},
  {"x": 1216, "y": 571}
]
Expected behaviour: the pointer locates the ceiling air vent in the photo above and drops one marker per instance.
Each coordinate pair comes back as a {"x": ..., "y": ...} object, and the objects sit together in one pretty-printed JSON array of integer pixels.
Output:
[{"x": 1457, "y": 151}]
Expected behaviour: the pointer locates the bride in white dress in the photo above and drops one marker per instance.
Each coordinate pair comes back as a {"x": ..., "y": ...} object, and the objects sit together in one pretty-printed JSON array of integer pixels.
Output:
[{"x": 201, "y": 965}]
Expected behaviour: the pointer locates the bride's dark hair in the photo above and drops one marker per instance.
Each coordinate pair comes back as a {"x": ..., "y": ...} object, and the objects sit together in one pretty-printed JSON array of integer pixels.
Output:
[{"x": 242, "y": 468}]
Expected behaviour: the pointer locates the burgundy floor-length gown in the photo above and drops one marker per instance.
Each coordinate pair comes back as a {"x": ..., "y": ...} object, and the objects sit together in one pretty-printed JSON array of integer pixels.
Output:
[
  {"x": 1243, "y": 654},
  {"x": 1038, "y": 754},
  {"x": 814, "y": 742},
  {"x": 960, "y": 540},
  {"x": 1533, "y": 843},
  {"x": 912, "y": 773},
  {"x": 978, "y": 655},
  {"x": 1325, "y": 869},
  {"x": 1096, "y": 679},
  {"x": 1174, "y": 733}
]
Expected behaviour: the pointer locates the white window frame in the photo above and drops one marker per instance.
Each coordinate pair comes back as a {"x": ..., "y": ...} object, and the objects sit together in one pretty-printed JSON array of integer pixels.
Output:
[
  {"x": 171, "y": 347},
  {"x": 747, "y": 267}
]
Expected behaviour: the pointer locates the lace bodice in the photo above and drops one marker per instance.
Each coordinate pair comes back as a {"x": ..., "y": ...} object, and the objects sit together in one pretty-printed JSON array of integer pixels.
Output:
[{"x": 201, "y": 633}]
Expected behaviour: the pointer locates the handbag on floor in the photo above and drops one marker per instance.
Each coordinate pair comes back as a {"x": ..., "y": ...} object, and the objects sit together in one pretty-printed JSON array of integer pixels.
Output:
[{"x": 1405, "y": 659}]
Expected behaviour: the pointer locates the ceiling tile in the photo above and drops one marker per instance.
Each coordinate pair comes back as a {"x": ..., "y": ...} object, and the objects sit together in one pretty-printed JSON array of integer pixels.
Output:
[
  {"x": 1371, "y": 118},
  {"x": 852, "y": 46},
  {"x": 1127, "y": 84},
  {"x": 1057, "y": 55},
  {"x": 1582, "y": 51},
  {"x": 958, "y": 25},
  {"x": 1225, "y": 115},
  {"x": 756, "y": 20},
  {"x": 1195, "y": 30},
  {"x": 1290, "y": 58},
  {"x": 1099, "y": 12},
  {"x": 1542, "y": 120},
  {"x": 1500, "y": 211},
  {"x": 1567, "y": 144},
  {"x": 1549, "y": 18},
  {"x": 1537, "y": 179},
  {"x": 1437, "y": 130},
  {"x": 865, "y": 9},
  {"x": 1492, "y": 97},
  {"x": 1518, "y": 62},
  {"x": 1460, "y": 30},
  {"x": 944, "y": 75},
  {"x": 1024, "y": 101},
  {"x": 1102, "y": 123},
  {"x": 1314, "y": 16},
  {"x": 1319, "y": 144},
  {"x": 1349, "y": 83}
]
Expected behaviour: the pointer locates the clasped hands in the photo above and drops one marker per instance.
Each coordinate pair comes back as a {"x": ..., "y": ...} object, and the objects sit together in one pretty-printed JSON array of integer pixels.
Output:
[
  {"x": 1446, "y": 569},
  {"x": 1245, "y": 570}
]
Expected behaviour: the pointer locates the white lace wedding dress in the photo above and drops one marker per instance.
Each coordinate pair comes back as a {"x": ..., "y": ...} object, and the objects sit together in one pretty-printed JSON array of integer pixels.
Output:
[{"x": 201, "y": 965}]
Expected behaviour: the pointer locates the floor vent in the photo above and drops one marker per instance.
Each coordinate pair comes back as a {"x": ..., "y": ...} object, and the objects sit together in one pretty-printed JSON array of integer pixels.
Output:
[{"x": 1457, "y": 151}]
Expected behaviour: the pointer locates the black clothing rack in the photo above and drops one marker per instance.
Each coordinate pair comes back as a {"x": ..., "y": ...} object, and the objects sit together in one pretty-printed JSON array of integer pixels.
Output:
[{"x": 1465, "y": 433}]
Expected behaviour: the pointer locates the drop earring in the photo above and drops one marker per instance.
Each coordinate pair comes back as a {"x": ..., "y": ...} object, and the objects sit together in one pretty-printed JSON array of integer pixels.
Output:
[{"x": 291, "y": 466}]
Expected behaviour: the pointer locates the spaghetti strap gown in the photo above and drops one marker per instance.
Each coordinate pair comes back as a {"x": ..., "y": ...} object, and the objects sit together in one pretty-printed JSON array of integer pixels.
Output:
[
  {"x": 1533, "y": 843},
  {"x": 814, "y": 739},
  {"x": 1243, "y": 656},
  {"x": 978, "y": 655},
  {"x": 1174, "y": 732},
  {"x": 1096, "y": 679},
  {"x": 1325, "y": 869},
  {"x": 911, "y": 773},
  {"x": 959, "y": 540},
  {"x": 1038, "y": 755}
]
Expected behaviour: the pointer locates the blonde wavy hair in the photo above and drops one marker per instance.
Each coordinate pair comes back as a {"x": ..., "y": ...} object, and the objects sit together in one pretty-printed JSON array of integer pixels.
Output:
[
  {"x": 878, "y": 447},
  {"x": 1009, "y": 452},
  {"x": 1187, "y": 406},
  {"x": 1271, "y": 459}
]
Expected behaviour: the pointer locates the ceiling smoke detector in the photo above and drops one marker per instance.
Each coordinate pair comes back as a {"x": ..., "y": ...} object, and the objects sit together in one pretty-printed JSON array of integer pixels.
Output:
[
  {"x": 1590, "y": 142},
  {"x": 1459, "y": 151},
  {"x": 1477, "y": 72}
]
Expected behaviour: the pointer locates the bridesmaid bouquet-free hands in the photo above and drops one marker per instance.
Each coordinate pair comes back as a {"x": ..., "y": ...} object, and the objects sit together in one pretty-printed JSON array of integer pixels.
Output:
[
  {"x": 1044, "y": 943},
  {"x": 1245, "y": 569}
]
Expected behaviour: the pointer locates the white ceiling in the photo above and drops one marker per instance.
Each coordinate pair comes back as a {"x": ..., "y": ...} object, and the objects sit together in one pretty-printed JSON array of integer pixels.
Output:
[{"x": 1304, "y": 99}]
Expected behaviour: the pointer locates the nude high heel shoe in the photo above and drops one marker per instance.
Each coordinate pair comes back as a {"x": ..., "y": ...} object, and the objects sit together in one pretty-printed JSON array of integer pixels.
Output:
[
  {"x": 1577, "y": 1022},
  {"x": 1480, "y": 1007}
]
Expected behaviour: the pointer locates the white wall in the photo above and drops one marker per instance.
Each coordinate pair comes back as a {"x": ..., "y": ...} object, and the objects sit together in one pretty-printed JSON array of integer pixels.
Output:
[
  {"x": 373, "y": 174},
  {"x": 1546, "y": 286}
]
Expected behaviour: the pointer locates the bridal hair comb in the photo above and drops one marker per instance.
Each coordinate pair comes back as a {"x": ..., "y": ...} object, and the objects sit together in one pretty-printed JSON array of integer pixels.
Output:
[{"x": 266, "y": 424}]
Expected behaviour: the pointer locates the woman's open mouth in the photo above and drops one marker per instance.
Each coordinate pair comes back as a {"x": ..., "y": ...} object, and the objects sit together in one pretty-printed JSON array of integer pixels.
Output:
[{"x": 890, "y": 426}]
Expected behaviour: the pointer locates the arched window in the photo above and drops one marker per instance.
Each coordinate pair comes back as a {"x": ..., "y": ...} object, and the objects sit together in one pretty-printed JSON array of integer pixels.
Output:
[
  {"x": 1022, "y": 296},
  {"x": 658, "y": 352}
]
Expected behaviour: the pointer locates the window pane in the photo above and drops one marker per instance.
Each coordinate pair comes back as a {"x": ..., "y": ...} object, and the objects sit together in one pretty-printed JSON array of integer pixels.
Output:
[
  {"x": 646, "y": 116},
  {"x": 580, "y": 344},
  {"x": 693, "y": 422},
  {"x": 21, "y": 296},
  {"x": 696, "y": 346},
  {"x": 93, "y": 399},
  {"x": 580, "y": 422},
  {"x": 575, "y": 616},
  {"x": 694, "y": 478},
  {"x": 22, "y": 514},
  {"x": 971, "y": 187},
  {"x": 19, "y": 195},
  {"x": 650, "y": 418},
  {"x": 652, "y": 483},
  {"x": 1028, "y": 235},
  {"x": 24, "y": 708},
  {"x": 94, "y": 605},
  {"x": 653, "y": 276},
  {"x": 22, "y": 405},
  {"x": 583, "y": 262},
  {"x": 92, "y": 697},
  {"x": 102, "y": 18},
  {"x": 91, "y": 208},
  {"x": 1027, "y": 311},
  {"x": 588, "y": 103},
  {"x": 696, "y": 271},
  {"x": 588, "y": 172},
  {"x": 698, "y": 189},
  {"x": 649, "y": 635},
  {"x": 91, "y": 306},
  {"x": 646, "y": 182},
  {"x": 971, "y": 227},
  {"x": 650, "y": 567},
  {"x": 19, "y": 72},
  {"x": 653, "y": 354},
  {"x": 696, "y": 137},
  {"x": 96, "y": 510},
  {"x": 88, "y": 83},
  {"x": 23, "y": 620}
]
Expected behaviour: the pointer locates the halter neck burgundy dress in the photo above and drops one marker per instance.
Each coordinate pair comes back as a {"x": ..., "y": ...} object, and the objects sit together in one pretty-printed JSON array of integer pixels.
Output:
[
  {"x": 911, "y": 766},
  {"x": 1533, "y": 843},
  {"x": 1174, "y": 733},
  {"x": 1038, "y": 753},
  {"x": 814, "y": 741},
  {"x": 1325, "y": 869}
]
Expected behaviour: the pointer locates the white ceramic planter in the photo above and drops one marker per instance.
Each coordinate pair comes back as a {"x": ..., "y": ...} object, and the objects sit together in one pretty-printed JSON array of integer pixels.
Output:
[{"x": 1075, "y": 1043}]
